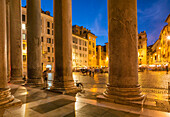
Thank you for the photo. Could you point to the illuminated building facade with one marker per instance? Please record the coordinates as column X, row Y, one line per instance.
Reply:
column 79, row 52
column 86, row 34
column 80, row 44
column 159, row 53
column 142, row 49
column 102, row 55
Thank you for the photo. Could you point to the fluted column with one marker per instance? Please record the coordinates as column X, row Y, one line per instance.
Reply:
column 33, row 42
column 5, row 94
column 123, row 59
column 16, row 41
column 63, row 80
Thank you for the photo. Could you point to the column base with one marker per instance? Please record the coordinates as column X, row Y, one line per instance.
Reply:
column 7, row 100
column 34, row 82
column 123, row 94
column 66, row 87
column 17, row 80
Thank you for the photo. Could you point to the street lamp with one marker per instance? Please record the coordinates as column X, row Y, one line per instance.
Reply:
column 168, row 37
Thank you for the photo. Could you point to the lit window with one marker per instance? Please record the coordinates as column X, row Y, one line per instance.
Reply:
column 49, row 59
column 23, row 26
column 23, row 36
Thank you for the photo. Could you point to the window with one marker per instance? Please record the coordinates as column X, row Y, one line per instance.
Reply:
column 48, row 24
column 23, row 27
column 85, row 43
column 48, row 48
column 79, row 42
column 85, row 49
column 75, row 47
column 48, row 40
column 24, row 36
column 52, row 50
column 52, row 32
column 24, row 58
column 89, row 51
column 24, row 46
column 79, row 48
column 48, row 31
column 52, row 59
column 52, row 25
column 80, row 55
column 49, row 59
column 52, row 41
column 89, row 42
column 74, row 40
column 23, row 18
column 42, row 39
column 93, row 45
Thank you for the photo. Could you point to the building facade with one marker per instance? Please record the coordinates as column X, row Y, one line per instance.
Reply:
column 159, row 52
column 102, row 55
column 142, row 49
column 79, row 52
column 85, row 33
column 80, row 44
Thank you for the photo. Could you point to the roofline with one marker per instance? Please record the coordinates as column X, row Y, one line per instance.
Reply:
column 167, row 18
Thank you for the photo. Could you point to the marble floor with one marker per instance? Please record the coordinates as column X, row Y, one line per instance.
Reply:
column 41, row 103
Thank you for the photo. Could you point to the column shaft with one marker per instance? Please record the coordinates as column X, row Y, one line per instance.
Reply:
column 8, row 40
column 63, row 45
column 5, row 95
column 33, row 41
column 16, row 41
column 123, row 61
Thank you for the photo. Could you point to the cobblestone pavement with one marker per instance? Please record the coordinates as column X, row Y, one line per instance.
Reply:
column 154, row 84
column 147, row 79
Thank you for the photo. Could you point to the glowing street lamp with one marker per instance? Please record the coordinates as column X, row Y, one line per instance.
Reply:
column 168, row 37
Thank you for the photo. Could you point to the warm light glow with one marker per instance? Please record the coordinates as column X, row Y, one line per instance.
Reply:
column 23, row 26
column 155, row 54
column 168, row 37
column 159, row 47
column 24, row 51
column 107, row 58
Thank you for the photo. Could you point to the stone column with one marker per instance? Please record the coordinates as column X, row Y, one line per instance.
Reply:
column 5, row 94
column 33, row 42
column 63, row 80
column 123, row 59
column 16, row 41
column 8, row 40
column 99, row 55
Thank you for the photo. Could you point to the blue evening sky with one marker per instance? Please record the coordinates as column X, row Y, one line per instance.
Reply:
column 92, row 14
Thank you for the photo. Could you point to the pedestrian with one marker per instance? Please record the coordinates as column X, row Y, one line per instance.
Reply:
column 93, row 70
column 167, row 69
column 45, row 77
column 90, row 71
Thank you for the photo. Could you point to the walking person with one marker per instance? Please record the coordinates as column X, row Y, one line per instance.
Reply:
column 45, row 78
column 93, row 70
column 167, row 69
column 90, row 71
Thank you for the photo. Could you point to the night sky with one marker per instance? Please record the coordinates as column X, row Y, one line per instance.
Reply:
column 92, row 14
